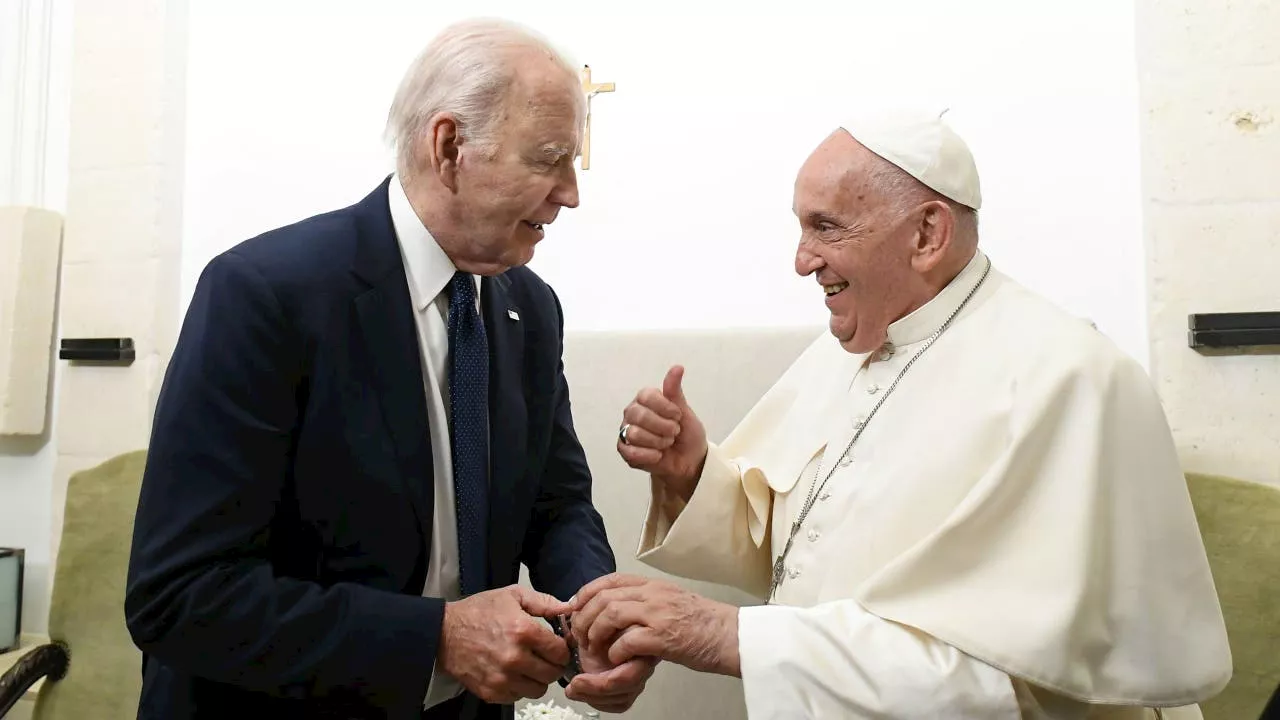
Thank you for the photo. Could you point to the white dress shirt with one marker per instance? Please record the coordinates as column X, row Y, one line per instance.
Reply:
column 429, row 272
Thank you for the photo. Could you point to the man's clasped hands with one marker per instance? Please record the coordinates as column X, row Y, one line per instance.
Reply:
column 498, row 645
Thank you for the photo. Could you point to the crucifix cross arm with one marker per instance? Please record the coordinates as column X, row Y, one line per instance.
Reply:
column 591, row 89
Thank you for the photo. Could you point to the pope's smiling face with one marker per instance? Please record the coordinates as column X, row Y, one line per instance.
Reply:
column 868, row 235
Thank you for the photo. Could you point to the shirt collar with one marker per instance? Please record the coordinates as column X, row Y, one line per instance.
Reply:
column 926, row 319
column 428, row 268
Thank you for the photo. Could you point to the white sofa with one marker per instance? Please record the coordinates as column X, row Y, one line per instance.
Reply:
column 725, row 373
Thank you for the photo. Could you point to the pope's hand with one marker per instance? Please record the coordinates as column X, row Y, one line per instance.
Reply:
column 494, row 644
column 637, row 617
column 608, row 687
column 664, row 437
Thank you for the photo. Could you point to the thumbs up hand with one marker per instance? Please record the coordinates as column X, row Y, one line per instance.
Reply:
column 662, row 436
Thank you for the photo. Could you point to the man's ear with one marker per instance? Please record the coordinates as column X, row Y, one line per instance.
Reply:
column 440, row 143
column 934, row 233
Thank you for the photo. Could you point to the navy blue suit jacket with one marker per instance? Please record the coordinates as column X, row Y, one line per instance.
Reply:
column 282, row 534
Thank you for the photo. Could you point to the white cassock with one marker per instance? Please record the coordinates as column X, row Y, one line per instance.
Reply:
column 1012, row 536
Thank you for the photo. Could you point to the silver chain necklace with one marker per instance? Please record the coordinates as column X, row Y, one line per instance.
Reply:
column 779, row 566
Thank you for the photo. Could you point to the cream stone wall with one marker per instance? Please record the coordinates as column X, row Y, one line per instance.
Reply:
column 123, row 228
column 1210, row 112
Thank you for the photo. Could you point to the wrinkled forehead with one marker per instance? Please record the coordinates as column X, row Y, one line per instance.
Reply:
column 835, row 178
column 546, row 106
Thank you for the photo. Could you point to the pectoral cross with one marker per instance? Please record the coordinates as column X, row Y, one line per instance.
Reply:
column 780, row 566
column 779, row 572
column 591, row 89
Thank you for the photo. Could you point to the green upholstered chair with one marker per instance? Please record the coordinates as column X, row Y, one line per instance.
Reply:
column 1240, row 522
column 86, row 616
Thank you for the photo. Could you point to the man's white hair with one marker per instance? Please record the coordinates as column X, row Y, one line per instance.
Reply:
column 466, row 70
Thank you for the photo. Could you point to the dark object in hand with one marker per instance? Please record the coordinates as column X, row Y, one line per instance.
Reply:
column 564, row 629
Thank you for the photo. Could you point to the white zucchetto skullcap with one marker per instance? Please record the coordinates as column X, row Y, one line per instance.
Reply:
column 925, row 147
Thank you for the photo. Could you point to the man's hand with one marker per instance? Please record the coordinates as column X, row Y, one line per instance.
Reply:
column 606, row 687
column 494, row 644
column 665, row 438
column 637, row 617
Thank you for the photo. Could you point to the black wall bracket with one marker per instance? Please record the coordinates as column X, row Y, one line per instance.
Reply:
column 1241, row 331
column 98, row 351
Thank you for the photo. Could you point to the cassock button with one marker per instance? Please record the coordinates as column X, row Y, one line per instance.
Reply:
column 814, row 535
column 872, row 389
column 793, row 573
column 824, row 496
column 859, row 422
column 886, row 351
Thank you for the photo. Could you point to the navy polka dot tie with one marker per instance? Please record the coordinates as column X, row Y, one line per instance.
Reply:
column 469, row 413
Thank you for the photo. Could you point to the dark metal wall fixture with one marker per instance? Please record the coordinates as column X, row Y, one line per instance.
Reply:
column 1245, row 331
column 98, row 351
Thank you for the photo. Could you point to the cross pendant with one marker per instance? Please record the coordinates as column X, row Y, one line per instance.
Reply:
column 779, row 565
column 779, row 572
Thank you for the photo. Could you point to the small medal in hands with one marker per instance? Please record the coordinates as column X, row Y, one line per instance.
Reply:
column 564, row 628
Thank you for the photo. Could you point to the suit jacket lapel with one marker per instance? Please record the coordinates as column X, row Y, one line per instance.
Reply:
column 385, row 317
column 507, row 412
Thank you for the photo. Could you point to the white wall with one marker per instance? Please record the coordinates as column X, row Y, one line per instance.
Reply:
column 685, row 218
column 35, row 49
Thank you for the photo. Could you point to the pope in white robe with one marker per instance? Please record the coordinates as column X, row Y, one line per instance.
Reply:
column 963, row 503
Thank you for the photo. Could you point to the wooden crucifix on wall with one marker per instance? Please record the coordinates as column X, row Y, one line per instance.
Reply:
column 591, row 89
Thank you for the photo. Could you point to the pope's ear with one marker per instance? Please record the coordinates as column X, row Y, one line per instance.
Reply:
column 934, row 234
column 937, row 225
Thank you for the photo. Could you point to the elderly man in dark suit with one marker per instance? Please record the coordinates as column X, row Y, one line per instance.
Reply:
column 365, row 430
